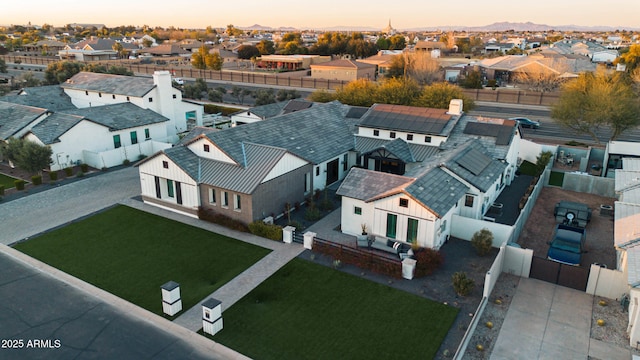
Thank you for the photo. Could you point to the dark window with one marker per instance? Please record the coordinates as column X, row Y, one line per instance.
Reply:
column 150, row 99
column 225, row 199
column 317, row 170
column 86, row 93
column 127, row 98
column 392, row 221
column 212, row 196
column 165, row 164
column 113, row 97
column 427, row 139
column 116, row 141
column 99, row 94
column 178, row 193
column 357, row 210
column 170, row 188
column 376, row 132
column 206, row 148
column 237, row 202
column 345, row 161
column 175, row 96
column 392, row 134
column 147, row 135
column 404, row 202
column 412, row 230
column 134, row 137
column 158, row 193
column 409, row 137
column 468, row 201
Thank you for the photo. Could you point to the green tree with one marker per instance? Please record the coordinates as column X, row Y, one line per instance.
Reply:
column 439, row 95
column 473, row 80
column 598, row 101
column 214, row 61
column 631, row 57
column 28, row 79
column 146, row 42
column 397, row 42
column 397, row 92
column 28, row 155
column 118, row 48
column 322, row 96
column 266, row 47
column 248, row 52
column 283, row 95
column 199, row 58
column 357, row 93
column 240, row 93
column 264, row 96
column 58, row 72
column 214, row 95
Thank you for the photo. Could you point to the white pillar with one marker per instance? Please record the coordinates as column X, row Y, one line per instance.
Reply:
column 308, row 239
column 287, row 234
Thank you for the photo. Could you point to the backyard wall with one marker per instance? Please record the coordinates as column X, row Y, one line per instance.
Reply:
column 464, row 228
column 606, row 282
column 491, row 277
column 115, row 157
column 581, row 182
column 517, row 261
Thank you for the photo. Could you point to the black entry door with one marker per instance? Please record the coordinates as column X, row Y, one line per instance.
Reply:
column 332, row 172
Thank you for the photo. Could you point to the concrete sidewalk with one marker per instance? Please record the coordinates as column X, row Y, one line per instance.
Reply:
column 548, row 321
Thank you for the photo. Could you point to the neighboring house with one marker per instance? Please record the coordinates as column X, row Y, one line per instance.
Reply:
column 422, row 166
column 503, row 68
column 88, row 89
column 50, row 97
column 382, row 61
column 102, row 136
column 250, row 172
column 344, row 70
column 614, row 153
column 627, row 238
column 93, row 49
column 166, row 50
column 596, row 52
column 16, row 119
column 290, row 62
column 435, row 48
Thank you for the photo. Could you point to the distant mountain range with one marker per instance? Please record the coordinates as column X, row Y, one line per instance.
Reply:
column 498, row 26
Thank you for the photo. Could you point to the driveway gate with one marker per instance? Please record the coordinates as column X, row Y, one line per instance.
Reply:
column 574, row 277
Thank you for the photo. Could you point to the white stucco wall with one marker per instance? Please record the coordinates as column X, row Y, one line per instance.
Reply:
column 153, row 167
column 418, row 139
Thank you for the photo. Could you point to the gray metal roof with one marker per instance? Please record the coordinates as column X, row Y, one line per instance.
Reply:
column 483, row 178
column 437, row 190
column 119, row 116
column 474, row 161
column 368, row 185
column 493, row 139
column 626, row 179
column 110, row 84
column 316, row 134
column 407, row 118
column 266, row 111
column 242, row 179
column 296, row 105
column 502, row 132
column 51, row 97
column 15, row 117
column 418, row 152
column 50, row 129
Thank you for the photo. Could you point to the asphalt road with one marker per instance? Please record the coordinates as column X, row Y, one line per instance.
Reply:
column 549, row 129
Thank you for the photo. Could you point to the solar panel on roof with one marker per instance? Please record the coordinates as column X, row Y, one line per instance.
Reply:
column 474, row 161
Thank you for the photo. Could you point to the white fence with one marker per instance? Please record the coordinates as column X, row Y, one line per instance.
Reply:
column 464, row 228
column 582, row 182
column 607, row 283
column 115, row 157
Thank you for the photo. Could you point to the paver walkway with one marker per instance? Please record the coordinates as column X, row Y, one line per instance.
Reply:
column 548, row 321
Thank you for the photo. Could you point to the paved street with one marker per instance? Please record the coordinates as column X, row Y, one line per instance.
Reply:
column 39, row 212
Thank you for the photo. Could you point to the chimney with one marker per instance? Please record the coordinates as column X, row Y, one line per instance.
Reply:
column 455, row 107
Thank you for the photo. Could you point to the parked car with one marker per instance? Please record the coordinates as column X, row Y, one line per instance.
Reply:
column 179, row 81
column 526, row 123
column 567, row 245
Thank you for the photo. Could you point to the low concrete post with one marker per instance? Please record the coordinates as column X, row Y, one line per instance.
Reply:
column 171, row 301
column 308, row 239
column 287, row 234
column 212, row 316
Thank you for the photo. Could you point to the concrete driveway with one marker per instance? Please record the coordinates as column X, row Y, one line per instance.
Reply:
column 548, row 321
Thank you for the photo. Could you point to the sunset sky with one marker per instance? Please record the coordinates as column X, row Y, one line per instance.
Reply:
column 403, row 13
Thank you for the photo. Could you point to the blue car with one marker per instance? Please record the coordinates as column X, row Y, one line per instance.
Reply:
column 526, row 123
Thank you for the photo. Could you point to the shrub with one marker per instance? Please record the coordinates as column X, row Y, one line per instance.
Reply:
column 68, row 171
column 312, row 213
column 126, row 162
column 1, row 190
column 542, row 161
column 482, row 241
column 220, row 219
column 36, row 179
column 428, row 260
column 53, row 175
column 269, row 231
column 19, row 184
column 462, row 284
column 296, row 225
column 80, row 174
column 141, row 157
column 84, row 168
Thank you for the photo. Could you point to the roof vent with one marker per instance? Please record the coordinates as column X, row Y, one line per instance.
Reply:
column 455, row 107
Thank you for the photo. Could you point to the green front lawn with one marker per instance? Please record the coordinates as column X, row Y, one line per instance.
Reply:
column 308, row 311
column 131, row 253
column 7, row 181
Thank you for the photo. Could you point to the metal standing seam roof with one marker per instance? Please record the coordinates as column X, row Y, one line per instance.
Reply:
column 242, row 179
column 406, row 118
column 626, row 179
column 110, row 84
column 15, row 117
column 502, row 132
column 490, row 137
column 51, row 97
column 626, row 226
column 266, row 111
column 316, row 134
column 119, row 116
column 50, row 129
